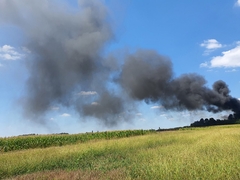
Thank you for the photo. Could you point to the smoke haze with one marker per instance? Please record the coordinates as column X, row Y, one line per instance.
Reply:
column 67, row 57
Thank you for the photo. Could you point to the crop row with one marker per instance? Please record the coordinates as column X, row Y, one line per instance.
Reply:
column 43, row 141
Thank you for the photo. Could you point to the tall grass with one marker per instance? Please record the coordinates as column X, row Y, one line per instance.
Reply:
column 27, row 142
column 201, row 153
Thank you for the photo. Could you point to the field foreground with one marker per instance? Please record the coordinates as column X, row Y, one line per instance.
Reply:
column 197, row 153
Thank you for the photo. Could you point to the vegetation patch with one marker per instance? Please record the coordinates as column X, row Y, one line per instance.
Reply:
column 43, row 141
column 196, row 153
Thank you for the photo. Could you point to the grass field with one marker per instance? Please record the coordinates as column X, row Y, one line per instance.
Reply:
column 197, row 153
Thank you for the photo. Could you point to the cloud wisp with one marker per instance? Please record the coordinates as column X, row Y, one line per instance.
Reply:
column 65, row 115
column 9, row 53
column 228, row 59
column 210, row 45
column 157, row 107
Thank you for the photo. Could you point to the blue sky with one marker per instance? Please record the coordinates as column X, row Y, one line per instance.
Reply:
column 199, row 37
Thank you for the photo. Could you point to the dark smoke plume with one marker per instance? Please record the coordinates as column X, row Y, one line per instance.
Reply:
column 108, row 108
column 148, row 76
column 66, row 58
column 66, row 46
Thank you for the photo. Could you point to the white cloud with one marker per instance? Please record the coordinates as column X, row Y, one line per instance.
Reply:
column 156, row 107
column 6, row 48
column 139, row 114
column 237, row 3
column 229, row 58
column 87, row 93
column 9, row 53
column 205, row 64
column 163, row 115
column 65, row 115
column 211, row 44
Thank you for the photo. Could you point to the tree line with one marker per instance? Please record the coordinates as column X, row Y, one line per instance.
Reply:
column 232, row 119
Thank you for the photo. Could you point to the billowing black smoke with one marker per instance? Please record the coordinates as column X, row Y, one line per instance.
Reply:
column 67, row 58
column 148, row 76
column 66, row 46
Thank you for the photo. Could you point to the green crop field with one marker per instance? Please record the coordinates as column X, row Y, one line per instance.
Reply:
column 192, row 153
column 29, row 142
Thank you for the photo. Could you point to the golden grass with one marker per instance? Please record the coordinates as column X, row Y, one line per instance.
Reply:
column 200, row 153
